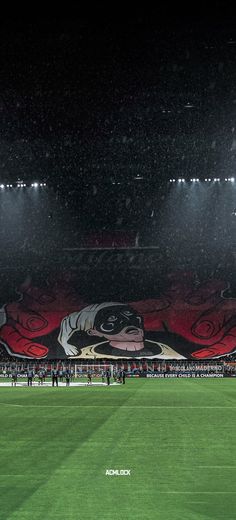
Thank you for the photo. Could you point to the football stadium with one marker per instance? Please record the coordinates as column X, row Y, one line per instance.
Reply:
column 118, row 267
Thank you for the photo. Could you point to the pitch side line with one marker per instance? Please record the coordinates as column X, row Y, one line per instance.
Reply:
column 215, row 467
column 121, row 407
column 198, row 492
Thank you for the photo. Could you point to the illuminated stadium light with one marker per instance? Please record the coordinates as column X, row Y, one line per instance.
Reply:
column 188, row 105
column 34, row 184
column 181, row 180
column 216, row 180
column 2, row 186
column 232, row 179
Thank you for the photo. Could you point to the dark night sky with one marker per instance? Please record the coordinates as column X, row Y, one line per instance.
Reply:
column 109, row 98
column 91, row 101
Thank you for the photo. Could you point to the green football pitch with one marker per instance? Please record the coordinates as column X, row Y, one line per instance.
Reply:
column 176, row 438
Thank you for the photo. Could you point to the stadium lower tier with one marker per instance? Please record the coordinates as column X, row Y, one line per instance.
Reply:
column 76, row 371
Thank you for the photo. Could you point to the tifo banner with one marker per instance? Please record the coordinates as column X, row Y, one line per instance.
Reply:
column 69, row 313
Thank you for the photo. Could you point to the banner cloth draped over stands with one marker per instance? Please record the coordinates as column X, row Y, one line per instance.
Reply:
column 114, row 304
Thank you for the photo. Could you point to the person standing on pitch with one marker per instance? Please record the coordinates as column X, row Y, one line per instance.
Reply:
column 30, row 375
column 60, row 375
column 67, row 376
column 40, row 376
column 108, row 376
column 89, row 377
column 14, row 377
column 54, row 377
column 123, row 374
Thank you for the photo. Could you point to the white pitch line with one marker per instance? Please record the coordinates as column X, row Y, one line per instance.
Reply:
column 9, row 404
column 196, row 502
column 198, row 492
column 215, row 467
column 16, row 475
column 24, row 384
column 121, row 407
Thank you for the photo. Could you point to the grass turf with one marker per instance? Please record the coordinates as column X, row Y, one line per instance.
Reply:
column 177, row 438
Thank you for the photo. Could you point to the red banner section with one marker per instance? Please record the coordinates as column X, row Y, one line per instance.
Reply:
column 59, row 316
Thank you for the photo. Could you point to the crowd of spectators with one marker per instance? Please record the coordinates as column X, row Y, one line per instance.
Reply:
column 78, row 366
